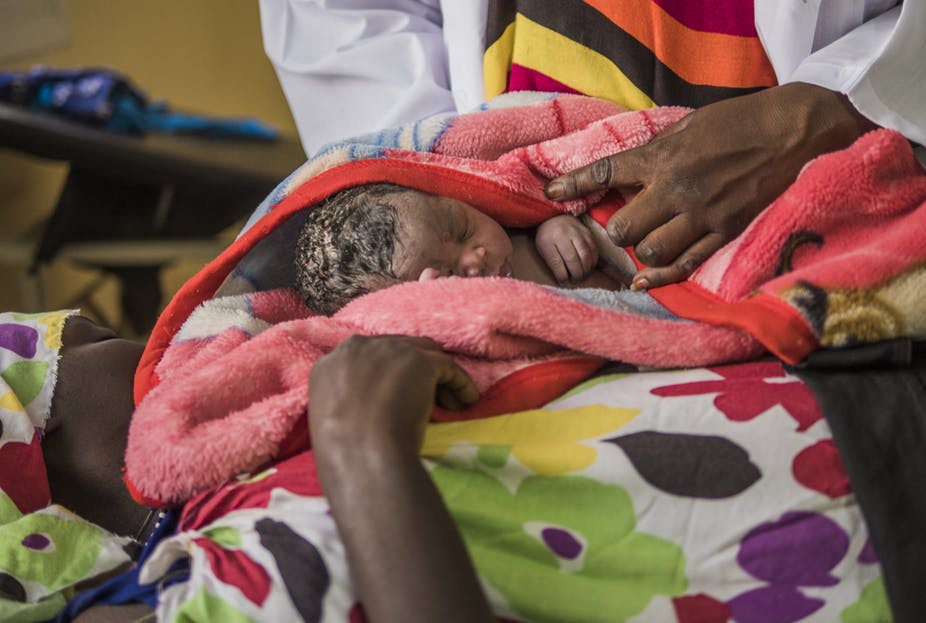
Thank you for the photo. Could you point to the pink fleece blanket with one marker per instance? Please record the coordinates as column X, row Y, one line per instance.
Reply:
column 837, row 260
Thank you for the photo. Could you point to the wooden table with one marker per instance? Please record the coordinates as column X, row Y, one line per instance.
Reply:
column 150, row 190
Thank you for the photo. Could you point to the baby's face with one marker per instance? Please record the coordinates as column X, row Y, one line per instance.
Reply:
column 444, row 237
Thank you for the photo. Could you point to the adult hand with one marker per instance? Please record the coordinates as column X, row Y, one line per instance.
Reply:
column 384, row 388
column 369, row 402
column 705, row 178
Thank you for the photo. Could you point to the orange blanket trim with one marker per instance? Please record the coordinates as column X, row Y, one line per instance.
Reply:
column 777, row 325
column 530, row 387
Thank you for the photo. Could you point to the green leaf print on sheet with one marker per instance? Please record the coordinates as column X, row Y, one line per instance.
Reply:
column 26, row 379
column 872, row 606
column 8, row 510
column 52, row 548
column 561, row 548
column 205, row 607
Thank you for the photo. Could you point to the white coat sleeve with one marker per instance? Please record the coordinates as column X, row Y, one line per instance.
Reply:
column 348, row 67
column 881, row 66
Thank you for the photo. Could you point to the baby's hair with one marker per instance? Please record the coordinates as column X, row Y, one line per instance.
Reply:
column 346, row 246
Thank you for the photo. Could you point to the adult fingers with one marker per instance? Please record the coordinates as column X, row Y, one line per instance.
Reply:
column 452, row 386
column 644, row 213
column 417, row 360
column 682, row 267
column 666, row 242
column 627, row 168
column 455, row 389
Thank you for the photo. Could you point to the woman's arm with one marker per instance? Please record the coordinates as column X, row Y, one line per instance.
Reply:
column 369, row 402
column 870, row 50
column 348, row 68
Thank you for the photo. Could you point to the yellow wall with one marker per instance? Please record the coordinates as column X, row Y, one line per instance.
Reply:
column 201, row 55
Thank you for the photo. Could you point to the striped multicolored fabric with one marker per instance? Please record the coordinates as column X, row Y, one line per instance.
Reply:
column 637, row 53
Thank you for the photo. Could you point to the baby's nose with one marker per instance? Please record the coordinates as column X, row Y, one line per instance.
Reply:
column 474, row 262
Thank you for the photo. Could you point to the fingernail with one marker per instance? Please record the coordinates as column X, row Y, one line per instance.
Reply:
column 689, row 266
column 617, row 229
column 639, row 284
column 555, row 190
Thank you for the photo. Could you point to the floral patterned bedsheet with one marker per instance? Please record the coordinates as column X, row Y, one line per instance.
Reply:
column 45, row 550
column 697, row 495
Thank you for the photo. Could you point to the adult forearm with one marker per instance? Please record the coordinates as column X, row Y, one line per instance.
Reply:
column 369, row 404
column 406, row 556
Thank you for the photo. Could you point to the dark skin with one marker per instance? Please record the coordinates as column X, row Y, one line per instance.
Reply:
column 406, row 556
column 86, row 434
column 703, row 180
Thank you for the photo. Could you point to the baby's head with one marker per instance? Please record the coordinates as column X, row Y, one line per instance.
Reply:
column 369, row 237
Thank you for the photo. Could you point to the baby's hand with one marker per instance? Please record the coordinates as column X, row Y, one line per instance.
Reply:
column 567, row 247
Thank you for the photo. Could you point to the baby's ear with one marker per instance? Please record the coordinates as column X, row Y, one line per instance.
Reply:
column 429, row 274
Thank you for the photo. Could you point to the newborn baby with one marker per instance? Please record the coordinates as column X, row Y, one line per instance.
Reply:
column 369, row 237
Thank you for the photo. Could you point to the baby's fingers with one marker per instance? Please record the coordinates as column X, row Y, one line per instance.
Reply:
column 577, row 257
column 588, row 251
column 554, row 261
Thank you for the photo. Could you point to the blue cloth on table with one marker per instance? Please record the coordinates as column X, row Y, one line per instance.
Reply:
column 104, row 99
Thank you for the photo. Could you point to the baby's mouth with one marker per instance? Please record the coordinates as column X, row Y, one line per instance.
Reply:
column 505, row 269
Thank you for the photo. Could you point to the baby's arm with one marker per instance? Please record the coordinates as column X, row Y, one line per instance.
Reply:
column 568, row 248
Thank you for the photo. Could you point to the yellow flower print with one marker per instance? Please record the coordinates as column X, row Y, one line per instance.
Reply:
column 54, row 325
column 8, row 400
column 547, row 441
